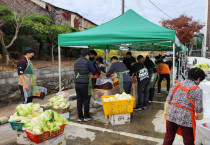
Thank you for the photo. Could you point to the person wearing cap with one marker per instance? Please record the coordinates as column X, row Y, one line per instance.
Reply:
column 128, row 60
column 125, row 80
column 26, row 76
column 143, row 80
column 184, row 105
column 83, row 83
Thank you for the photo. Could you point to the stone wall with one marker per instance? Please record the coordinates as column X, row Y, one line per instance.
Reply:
column 48, row 78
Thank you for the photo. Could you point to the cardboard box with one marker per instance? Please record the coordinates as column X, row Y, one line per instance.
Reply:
column 120, row 119
column 22, row 138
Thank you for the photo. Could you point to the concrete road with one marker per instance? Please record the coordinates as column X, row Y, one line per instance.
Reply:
column 147, row 127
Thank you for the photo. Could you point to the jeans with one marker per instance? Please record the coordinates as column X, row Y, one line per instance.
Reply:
column 82, row 99
column 171, row 129
column 162, row 76
column 127, row 87
column 143, row 93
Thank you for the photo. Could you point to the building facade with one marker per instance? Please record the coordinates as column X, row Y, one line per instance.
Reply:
column 60, row 16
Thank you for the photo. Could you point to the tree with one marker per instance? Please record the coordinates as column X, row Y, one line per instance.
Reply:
column 8, row 17
column 185, row 27
column 48, row 32
column 53, row 32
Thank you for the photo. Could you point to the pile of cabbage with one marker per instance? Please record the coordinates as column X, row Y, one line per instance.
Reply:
column 47, row 121
column 202, row 66
column 122, row 96
column 26, row 112
column 59, row 102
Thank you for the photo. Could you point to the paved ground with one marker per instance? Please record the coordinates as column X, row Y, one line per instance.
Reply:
column 146, row 128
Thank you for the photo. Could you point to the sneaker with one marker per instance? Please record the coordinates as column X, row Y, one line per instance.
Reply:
column 80, row 119
column 88, row 118
column 137, row 109
column 144, row 107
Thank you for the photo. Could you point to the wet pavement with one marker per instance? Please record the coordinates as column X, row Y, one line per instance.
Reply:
column 146, row 128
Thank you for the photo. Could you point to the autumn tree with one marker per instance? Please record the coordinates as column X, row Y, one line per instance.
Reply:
column 185, row 27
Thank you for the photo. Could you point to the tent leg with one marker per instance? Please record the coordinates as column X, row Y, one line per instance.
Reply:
column 106, row 55
column 59, row 66
column 179, row 65
column 174, row 75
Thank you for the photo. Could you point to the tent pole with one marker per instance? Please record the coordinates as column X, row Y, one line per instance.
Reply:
column 174, row 75
column 106, row 55
column 59, row 66
column 179, row 65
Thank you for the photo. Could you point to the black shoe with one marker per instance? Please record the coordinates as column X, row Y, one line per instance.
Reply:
column 149, row 103
column 80, row 119
column 88, row 118
column 137, row 109
column 72, row 98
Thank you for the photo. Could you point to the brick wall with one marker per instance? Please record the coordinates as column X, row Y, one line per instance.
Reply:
column 48, row 78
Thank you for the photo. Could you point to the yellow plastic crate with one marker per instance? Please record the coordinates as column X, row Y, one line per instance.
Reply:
column 117, row 106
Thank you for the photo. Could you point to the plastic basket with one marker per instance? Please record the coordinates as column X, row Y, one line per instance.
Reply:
column 117, row 106
column 17, row 125
column 45, row 136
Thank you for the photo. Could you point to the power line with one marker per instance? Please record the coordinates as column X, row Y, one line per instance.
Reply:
column 159, row 9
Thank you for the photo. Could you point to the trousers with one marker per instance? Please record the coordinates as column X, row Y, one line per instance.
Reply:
column 83, row 99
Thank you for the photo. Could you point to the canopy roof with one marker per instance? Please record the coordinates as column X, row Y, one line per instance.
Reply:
column 128, row 30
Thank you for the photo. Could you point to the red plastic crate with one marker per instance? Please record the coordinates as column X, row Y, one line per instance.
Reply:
column 45, row 136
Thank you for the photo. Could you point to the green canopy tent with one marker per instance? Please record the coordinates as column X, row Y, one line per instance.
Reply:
column 127, row 30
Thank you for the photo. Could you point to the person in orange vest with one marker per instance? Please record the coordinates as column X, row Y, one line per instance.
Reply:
column 164, row 72
column 183, row 106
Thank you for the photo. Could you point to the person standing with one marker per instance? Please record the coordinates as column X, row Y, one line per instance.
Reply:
column 27, row 81
column 183, row 106
column 164, row 72
column 122, row 70
column 82, row 69
column 143, row 81
column 128, row 60
column 100, row 65
column 153, row 77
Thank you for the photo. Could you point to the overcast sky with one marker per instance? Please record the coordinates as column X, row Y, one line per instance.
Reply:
column 101, row 11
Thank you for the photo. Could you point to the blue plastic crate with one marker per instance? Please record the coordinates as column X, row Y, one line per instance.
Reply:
column 17, row 125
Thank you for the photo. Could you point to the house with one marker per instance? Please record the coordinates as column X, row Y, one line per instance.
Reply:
column 63, row 16
column 59, row 15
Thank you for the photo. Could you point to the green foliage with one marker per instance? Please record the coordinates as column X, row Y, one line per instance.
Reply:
column 41, row 19
column 5, row 13
column 18, row 45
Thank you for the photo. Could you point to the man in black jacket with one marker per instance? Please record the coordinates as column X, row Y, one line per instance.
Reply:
column 82, row 69
column 120, row 67
column 143, row 80
column 128, row 60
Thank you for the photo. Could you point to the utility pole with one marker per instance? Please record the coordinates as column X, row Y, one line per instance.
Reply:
column 123, row 5
column 204, row 48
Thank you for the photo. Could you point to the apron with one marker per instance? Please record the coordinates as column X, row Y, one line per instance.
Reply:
column 120, row 77
column 192, row 111
column 90, row 83
column 30, row 79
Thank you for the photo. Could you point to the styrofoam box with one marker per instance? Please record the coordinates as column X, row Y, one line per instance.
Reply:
column 22, row 138
column 65, row 115
column 120, row 119
column 59, row 140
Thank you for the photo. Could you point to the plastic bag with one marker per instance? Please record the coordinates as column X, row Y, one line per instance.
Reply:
column 101, row 81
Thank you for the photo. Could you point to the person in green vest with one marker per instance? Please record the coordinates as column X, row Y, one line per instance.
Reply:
column 27, row 81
